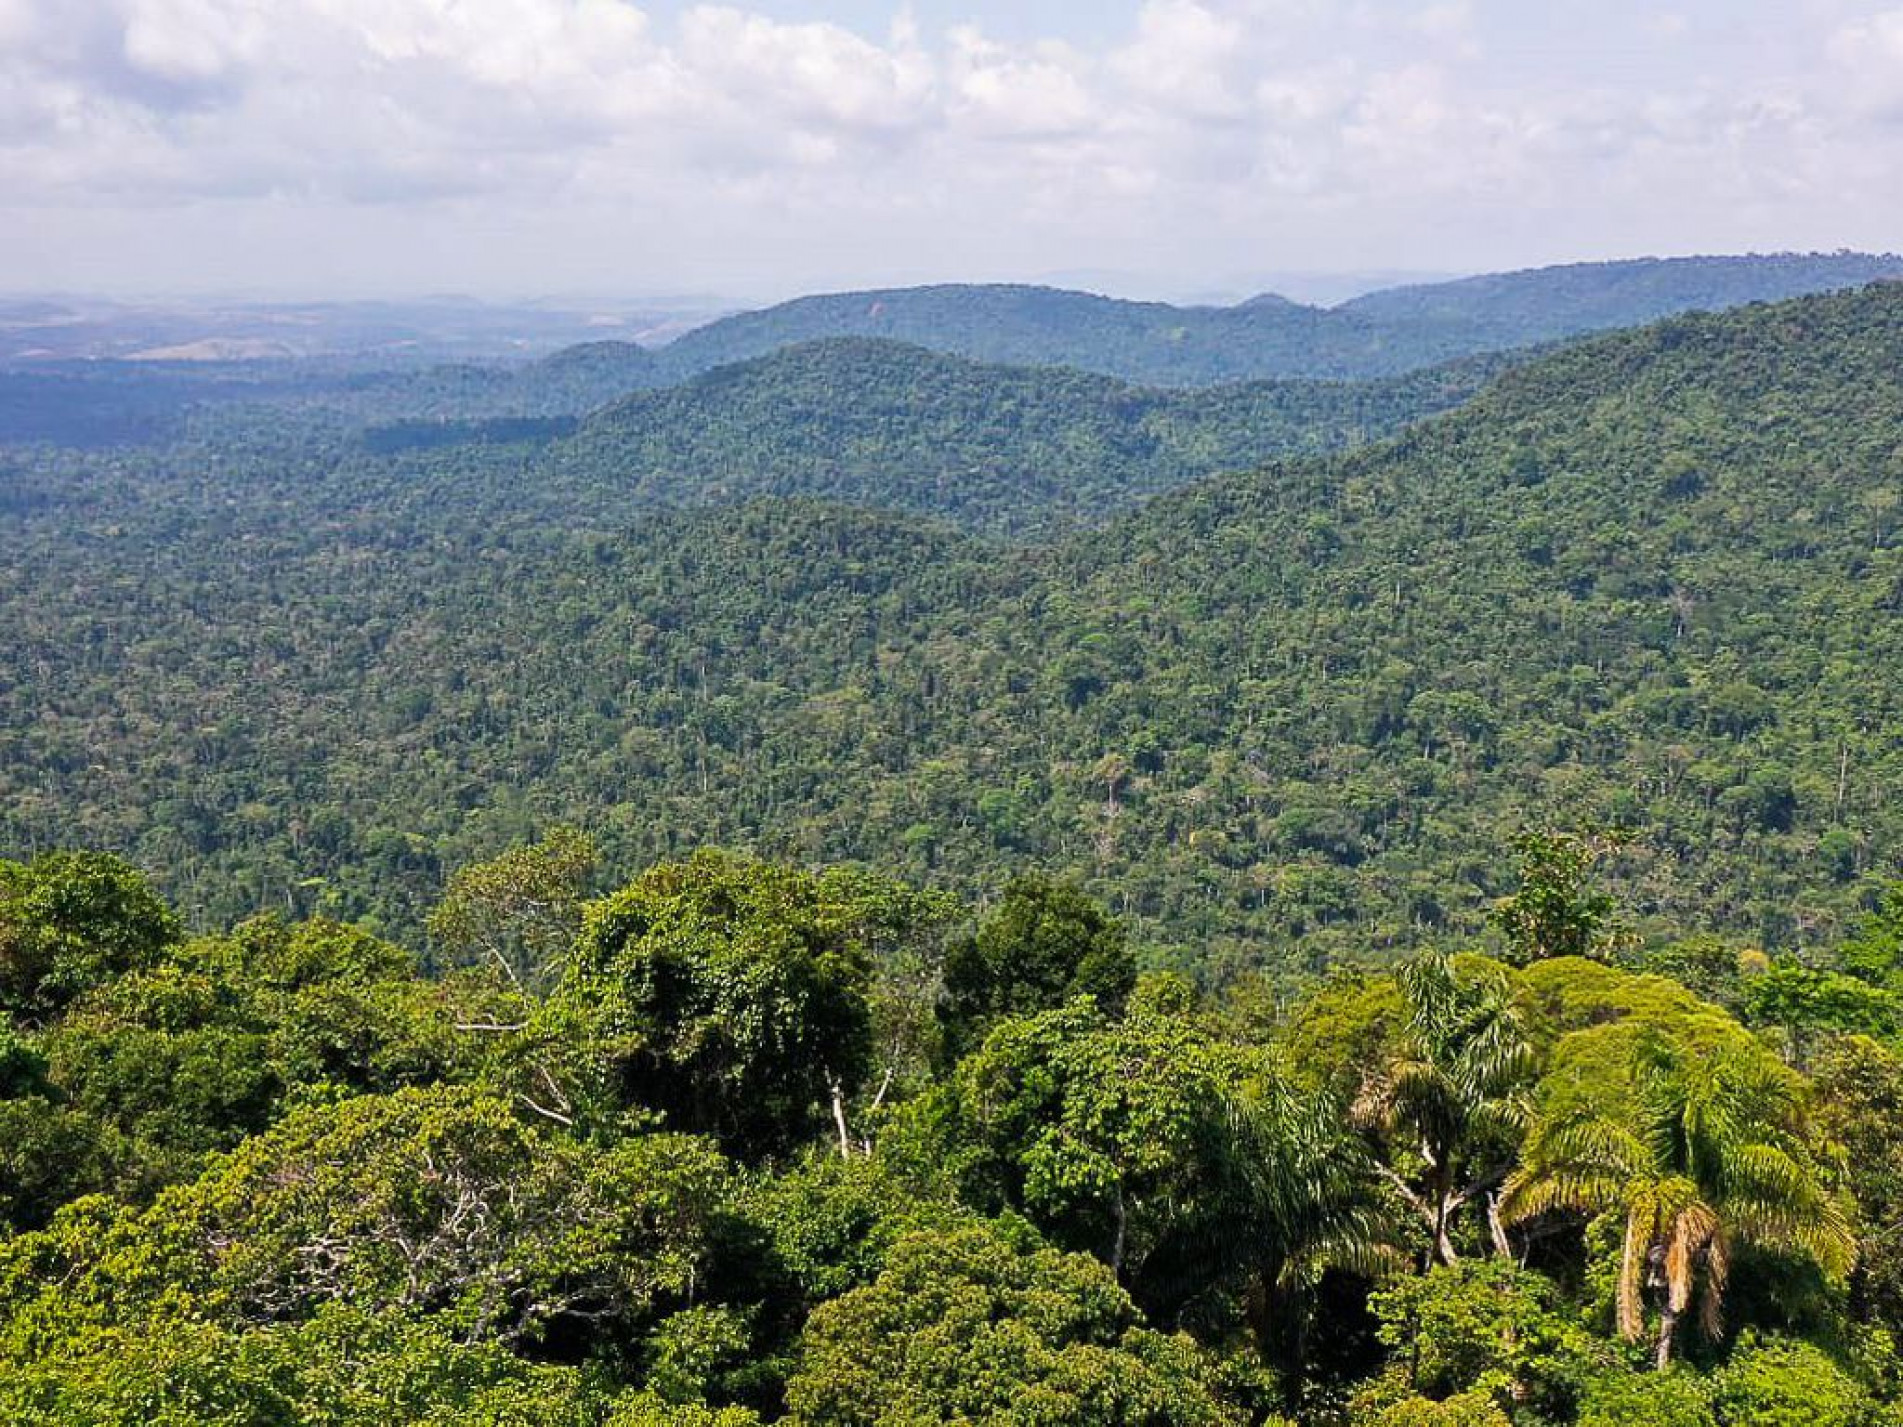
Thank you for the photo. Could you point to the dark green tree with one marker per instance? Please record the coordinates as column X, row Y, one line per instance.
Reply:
column 1874, row 952
column 1123, row 1138
column 70, row 920
column 1859, row 1106
column 730, row 996
column 1043, row 945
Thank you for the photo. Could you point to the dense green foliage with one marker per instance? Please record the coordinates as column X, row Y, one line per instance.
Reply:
column 277, row 1175
column 1041, row 947
column 1382, row 334
column 1650, row 582
column 999, row 449
column 1407, row 936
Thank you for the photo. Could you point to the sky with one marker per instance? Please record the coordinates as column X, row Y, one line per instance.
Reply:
column 519, row 148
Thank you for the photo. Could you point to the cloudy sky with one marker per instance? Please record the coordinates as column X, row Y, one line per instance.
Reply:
column 516, row 147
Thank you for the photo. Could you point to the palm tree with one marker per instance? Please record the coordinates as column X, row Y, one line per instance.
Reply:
column 1454, row 1096
column 1311, row 1204
column 1708, row 1157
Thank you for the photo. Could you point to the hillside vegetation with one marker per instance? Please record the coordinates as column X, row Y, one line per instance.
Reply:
column 996, row 449
column 1515, row 308
column 1651, row 581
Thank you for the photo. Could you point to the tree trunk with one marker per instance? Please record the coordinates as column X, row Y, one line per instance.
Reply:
column 1668, row 1329
column 1496, row 1226
column 839, row 1120
column 1279, row 1321
column 1444, row 1210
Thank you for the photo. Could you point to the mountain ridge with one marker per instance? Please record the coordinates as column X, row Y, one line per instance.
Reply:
column 1378, row 334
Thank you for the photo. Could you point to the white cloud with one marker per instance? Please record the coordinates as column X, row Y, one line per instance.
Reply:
column 1449, row 19
column 16, row 21
column 1002, row 93
column 1873, row 38
column 1869, row 53
column 1184, row 57
column 813, row 75
column 193, row 41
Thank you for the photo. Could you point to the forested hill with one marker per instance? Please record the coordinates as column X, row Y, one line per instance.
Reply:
column 1379, row 335
column 1653, row 580
column 997, row 449
column 122, row 403
column 1149, row 342
column 1537, row 305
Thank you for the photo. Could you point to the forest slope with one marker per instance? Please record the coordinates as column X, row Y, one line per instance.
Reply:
column 997, row 449
column 1543, row 303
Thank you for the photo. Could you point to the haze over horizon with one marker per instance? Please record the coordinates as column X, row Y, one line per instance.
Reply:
column 507, row 148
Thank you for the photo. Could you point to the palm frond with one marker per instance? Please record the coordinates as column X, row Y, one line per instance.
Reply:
column 1631, row 1291
column 1711, row 1306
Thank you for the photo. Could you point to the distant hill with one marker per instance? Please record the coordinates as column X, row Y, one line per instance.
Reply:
column 994, row 448
column 395, row 334
column 1383, row 334
column 1267, row 338
column 1535, row 306
column 122, row 403
column 1145, row 342
column 98, row 404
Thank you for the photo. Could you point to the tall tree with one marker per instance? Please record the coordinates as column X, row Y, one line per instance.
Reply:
column 984, row 1324
column 520, row 910
column 70, row 920
column 1448, row 1102
column 1709, row 1156
column 1119, row 1137
column 1189, row 1164
column 732, row 996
